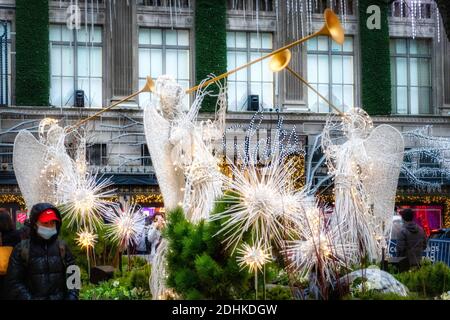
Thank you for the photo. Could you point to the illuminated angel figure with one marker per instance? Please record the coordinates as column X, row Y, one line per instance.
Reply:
column 125, row 226
column 365, row 164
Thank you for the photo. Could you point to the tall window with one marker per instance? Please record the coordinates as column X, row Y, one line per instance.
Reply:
column 411, row 76
column 76, row 64
column 163, row 51
column 243, row 47
column 330, row 71
column 5, row 63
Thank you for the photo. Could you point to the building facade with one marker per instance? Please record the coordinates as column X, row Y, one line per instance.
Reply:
column 115, row 45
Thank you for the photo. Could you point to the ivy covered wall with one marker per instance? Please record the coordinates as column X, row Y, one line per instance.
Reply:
column 32, row 53
column 375, row 60
column 210, row 43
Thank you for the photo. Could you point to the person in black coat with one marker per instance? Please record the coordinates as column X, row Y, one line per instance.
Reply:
column 9, row 237
column 37, row 268
column 412, row 240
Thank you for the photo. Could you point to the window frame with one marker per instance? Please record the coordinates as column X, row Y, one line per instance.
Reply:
column 330, row 53
column 408, row 56
column 248, row 51
column 164, row 47
column 74, row 45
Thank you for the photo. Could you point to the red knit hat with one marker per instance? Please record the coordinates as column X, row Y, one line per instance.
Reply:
column 48, row 215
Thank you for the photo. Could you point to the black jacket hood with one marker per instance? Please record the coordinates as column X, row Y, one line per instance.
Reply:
column 412, row 227
column 34, row 215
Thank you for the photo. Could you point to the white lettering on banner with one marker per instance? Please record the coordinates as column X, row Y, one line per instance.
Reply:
column 73, row 19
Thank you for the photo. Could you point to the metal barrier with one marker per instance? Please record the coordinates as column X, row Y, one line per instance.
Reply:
column 437, row 250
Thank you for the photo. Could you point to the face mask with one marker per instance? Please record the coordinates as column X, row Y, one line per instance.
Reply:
column 45, row 232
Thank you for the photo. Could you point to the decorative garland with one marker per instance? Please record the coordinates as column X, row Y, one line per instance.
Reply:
column 32, row 53
column 401, row 199
column 210, row 43
column 375, row 61
column 13, row 198
column 147, row 198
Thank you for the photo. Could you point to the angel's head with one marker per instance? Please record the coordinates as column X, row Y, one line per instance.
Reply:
column 170, row 95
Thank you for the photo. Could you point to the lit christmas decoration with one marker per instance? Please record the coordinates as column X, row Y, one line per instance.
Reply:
column 125, row 226
column 86, row 239
column 253, row 257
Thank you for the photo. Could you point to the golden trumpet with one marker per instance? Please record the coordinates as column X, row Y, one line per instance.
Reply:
column 332, row 28
column 148, row 87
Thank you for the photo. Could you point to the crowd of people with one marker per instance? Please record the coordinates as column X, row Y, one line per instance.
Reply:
column 34, row 261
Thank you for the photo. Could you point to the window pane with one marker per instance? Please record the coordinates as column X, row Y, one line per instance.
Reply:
column 241, row 95
column 232, row 95
column 335, row 47
column 55, row 92
column 312, row 44
column 144, row 36
column 96, row 62
column 424, row 101
column 96, row 36
column 323, row 68
column 348, row 69
column 96, row 92
column 337, row 69
column 144, row 62
column 266, row 72
column 241, row 58
column 255, row 40
column 67, row 92
column 413, row 72
column 401, row 71
column 312, row 68
column 312, row 100
column 424, row 72
column 348, row 44
column 83, row 61
column 231, row 56
column 266, row 40
column 183, row 38
column 255, row 69
column 400, row 46
column 156, row 63
column 83, row 35
column 348, row 97
column 144, row 98
column 414, row 100
column 156, row 36
column 171, row 37
column 67, row 61
column 231, row 38
column 267, row 95
column 323, row 106
column 256, row 88
column 402, row 100
column 183, row 64
column 423, row 47
column 55, row 59
column 171, row 63
column 241, row 40
column 66, row 34
column 322, row 43
column 336, row 95
column 55, row 33
column 83, row 84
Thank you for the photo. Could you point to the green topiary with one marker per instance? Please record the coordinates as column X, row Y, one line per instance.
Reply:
column 429, row 280
column 197, row 264
column 210, row 44
column 375, row 61
column 32, row 53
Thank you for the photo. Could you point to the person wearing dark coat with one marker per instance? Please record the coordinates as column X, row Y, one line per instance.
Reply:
column 412, row 240
column 39, row 272
column 9, row 238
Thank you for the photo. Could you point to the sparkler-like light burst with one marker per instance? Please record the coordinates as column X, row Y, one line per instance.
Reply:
column 323, row 248
column 253, row 257
column 257, row 203
column 126, row 226
column 86, row 239
column 84, row 199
